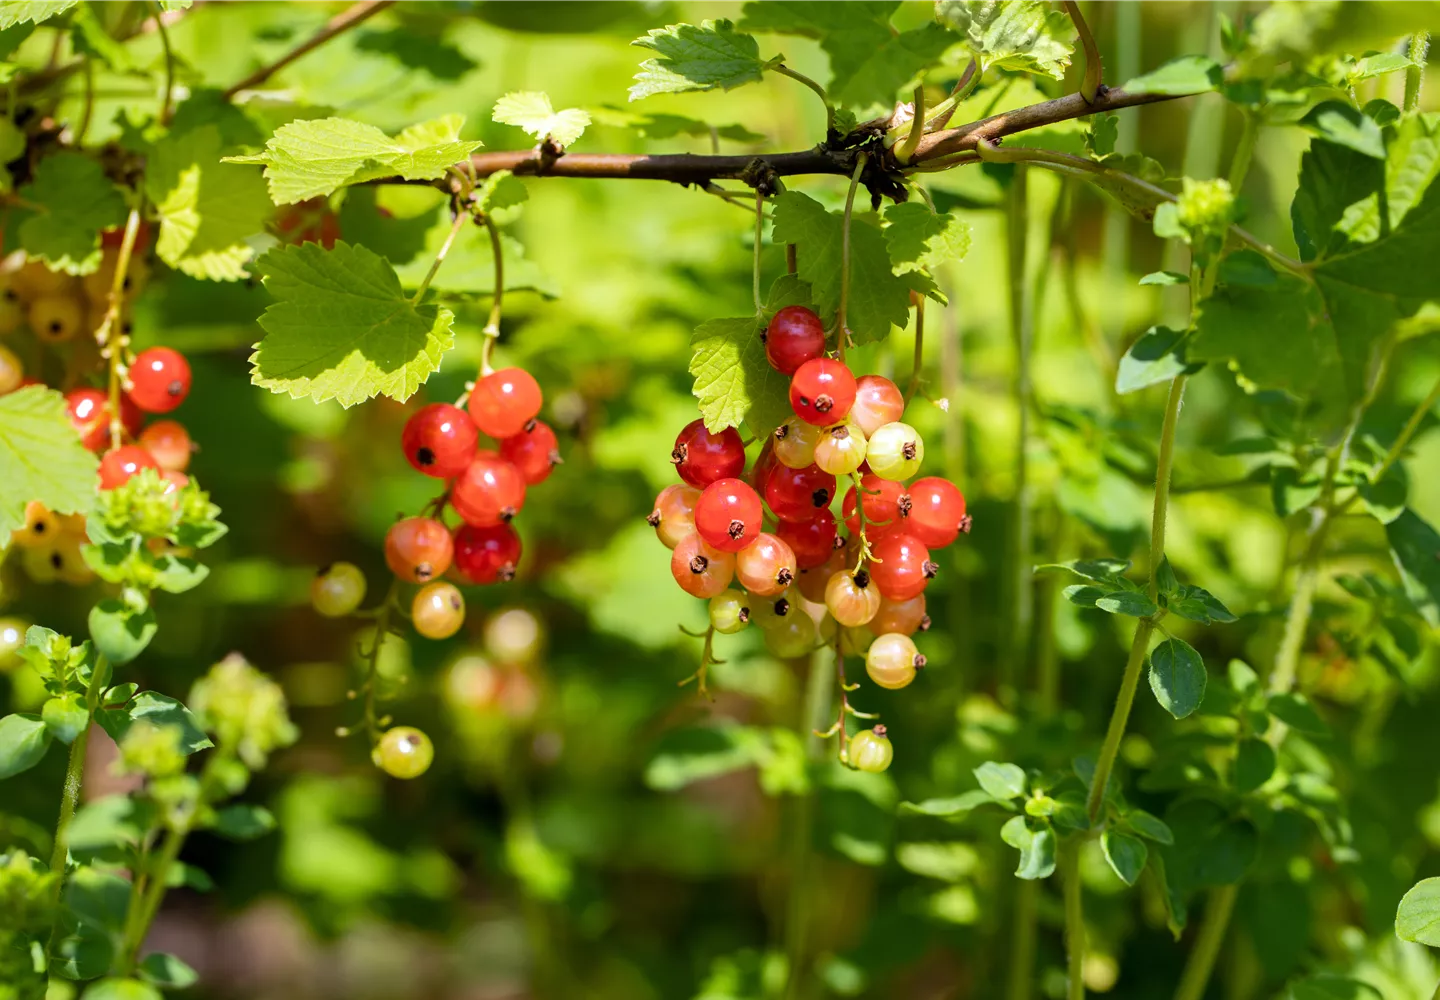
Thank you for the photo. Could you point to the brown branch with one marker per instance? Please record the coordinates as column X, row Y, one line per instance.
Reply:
column 343, row 21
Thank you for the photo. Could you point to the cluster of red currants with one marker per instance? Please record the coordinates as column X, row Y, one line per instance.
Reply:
column 805, row 580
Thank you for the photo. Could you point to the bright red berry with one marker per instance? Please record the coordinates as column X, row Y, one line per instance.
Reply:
column 795, row 336
column 89, row 411
column 936, row 514
column 169, row 443
column 883, row 500
column 901, row 567
column 766, row 566
column 490, row 491
column 878, row 402
column 701, row 570
column 798, row 494
column 503, row 402
column 439, row 440
column 674, row 515
column 535, row 451
column 484, row 555
column 701, row 457
column 119, row 465
column 418, row 549
column 728, row 514
column 160, row 380
column 174, row 481
column 822, row 392
column 812, row 541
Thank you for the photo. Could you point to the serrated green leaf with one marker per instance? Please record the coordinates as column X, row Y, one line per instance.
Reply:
column 697, row 57
column 532, row 111
column 14, row 12
column 918, row 238
column 500, row 192
column 733, row 381
column 41, row 458
column 343, row 329
column 90, row 38
column 208, row 210
column 1099, row 570
column 952, row 806
column 23, row 742
column 1345, row 125
column 1013, row 34
column 306, row 159
column 1127, row 602
column 1001, row 781
column 157, row 710
column 1157, row 356
column 1415, row 546
column 1177, row 676
column 878, row 298
column 1418, row 916
column 1198, row 605
column 1036, row 845
column 1125, row 854
column 1185, row 75
column 72, row 201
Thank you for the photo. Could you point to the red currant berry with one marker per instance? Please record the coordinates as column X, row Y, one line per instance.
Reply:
column 813, row 581
column 174, row 481
column 795, row 336
column 766, row 566
column 503, row 402
column 892, row 661
column 901, row 567
column 484, row 555
column 674, row 515
column 936, row 513
column 728, row 514
column 881, row 506
column 89, row 411
column 878, row 402
column 490, row 491
column 701, row 457
column 169, row 443
column 700, row 569
column 853, row 598
column 160, row 380
column 822, row 392
column 439, row 440
column 764, row 462
column 535, row 451
column 119, row 465
column 812, row 541
column 798, row 494
column 438, row 610
column 904, row 617
column 418, row 549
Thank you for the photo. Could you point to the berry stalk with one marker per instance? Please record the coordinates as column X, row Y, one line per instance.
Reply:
column 114, row 349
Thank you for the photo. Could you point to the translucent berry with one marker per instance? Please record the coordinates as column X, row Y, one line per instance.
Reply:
column 514, row 635
column 89, row 412
column 503, row 402
column 337, row 589
column 870, row 750
column 852, row 597
column 535, row 451
column 822, row 391
column 794, row 443
column 728, row 514
column 674, row 515
column 729, row 611
column 937, row 512
column 56, row 318
column 812, row 541
column 840, row 450
column 701, row 457
column 438, row 610
column 766, row 566
column 119, row 465
column 877, row 402
column 798, row 494
column 404, row 752
column 905, row 617
column 485, row 555
column 41, row 527
column 896, row 452
column 901, row 566
column 35, row 280
column 418, row 549
column 793, row 637
column 854, row 640
column 893, row 660
column 490, row 491
column 795, row 335
column 439, row 440
column 700, row 569
column 814, row 580
column 12, row 371
column 882, row 500
column 160, row 380
column 169, row 443
column 772, row 612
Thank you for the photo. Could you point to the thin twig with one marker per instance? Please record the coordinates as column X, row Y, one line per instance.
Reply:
column 919, row 362
column 115, row 348
column 341, row 22
column 784, row 70
column 165, row 103
column 1090, row 85
column 460, row 219
column 497, row 300
column 759, row 234
column 906, row 149
column 842, row 333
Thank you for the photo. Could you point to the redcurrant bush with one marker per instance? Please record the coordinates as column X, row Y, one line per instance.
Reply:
column 418, row 549
column 119, row 465
column 404, row 752
column 852, row 597
column 439, row 440
column 798, row 494
column 728, row 514
column 896, row 452
column 822, row 391
column 794, row 443
column 877, row 402
column 905, row 617
column 793, row 637
column 795, row 335
column 169, row 443
column 881, row 504
column 812, row 541
column 503, row 402
column 701, row 457
column 159, row 380
column 729, row 611
column 841, row 449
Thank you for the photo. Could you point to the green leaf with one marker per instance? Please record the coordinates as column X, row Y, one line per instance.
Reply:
column 702, row 752
column 1127, row 602
column 1164, row 278
column 121, row 989
column 1148, row 826
column 23, row 741
column 243, row 822
column 1385, row 500
column 1198, row 605
column 1345, row 125
column 919, row 239
column 1126, row 854
column 14, row 12
column 1023, row 35
column 704, row 57
column 209, row 211
column 1327, row 987
column 1337, row 191
column 306, row 159
column 952, row 807
column 1177, row 676
column 1100, row 570
column 500, row 191
column 1415, row 546
column 1036, row 846
column 157, row 710
column 1183, row 75
column 878, row 298
column 120, row 631
column 72, row 201
column 91, row 38
column 1289, row 492
column 1296, row 712
column 1157, row 356
column 1254, row 764
column 1001, row 781
column 343, row 329
column 1418, row 918
column 177, row 574
column 531, row 110
column 65, row 716
column 734, row 382
column 41, row 458
column 167, row 971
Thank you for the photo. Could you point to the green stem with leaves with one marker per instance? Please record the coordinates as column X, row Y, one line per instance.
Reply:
column 75, row 775
column 461, row 217
column 1207, row 943
column 801, row 78
column 497, row 300
column 1415, row 75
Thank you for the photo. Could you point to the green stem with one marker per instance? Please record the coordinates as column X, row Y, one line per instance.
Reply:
column 919, row 362
column 1244, row 150
column 372, row 671
column 814, row 709
column 798, row 77
column 1075, row 941
column 1090, row 84
column 150, row 899
column 1408, row 431
column 114, row 348
column 75, row 777
column 1022, row 940
column 759, row 235
column 1415, row 75
column 1020, row 606
column 497, row 298
column 906, row 149
column 460, row 219
column 164, row 32
column 842, row 333
column 1207, row 943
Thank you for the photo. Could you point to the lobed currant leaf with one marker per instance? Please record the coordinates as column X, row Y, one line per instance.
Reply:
column 532, row 111
column 41, row 458
column 13, row 12
column 72, row 201
column 1025, row 35
column 697, row 57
